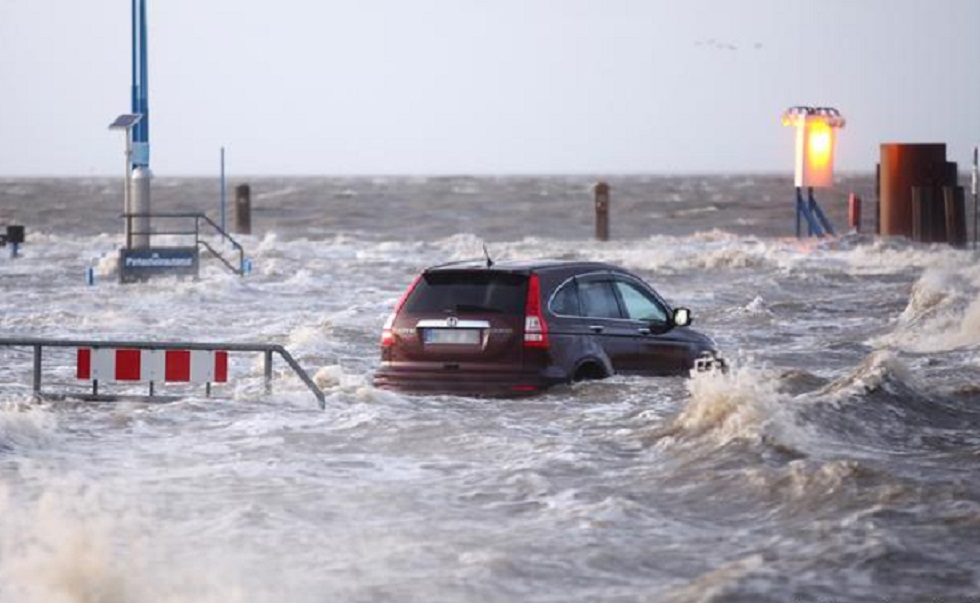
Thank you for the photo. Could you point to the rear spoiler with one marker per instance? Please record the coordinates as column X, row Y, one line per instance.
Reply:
column 478, row 261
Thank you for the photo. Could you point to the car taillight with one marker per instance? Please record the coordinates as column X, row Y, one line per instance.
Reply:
column 387, row 336
column 535, row 327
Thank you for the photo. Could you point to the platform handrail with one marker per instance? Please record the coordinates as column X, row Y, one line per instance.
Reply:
column 240, row 271
column 267, row 349
column 227, row 237
column 197, row 217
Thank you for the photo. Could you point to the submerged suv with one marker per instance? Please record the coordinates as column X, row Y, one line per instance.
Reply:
column 480, row 328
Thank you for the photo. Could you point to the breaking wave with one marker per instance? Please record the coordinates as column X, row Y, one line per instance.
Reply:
column 744, row 405
column 882, row 407
column 881, row 373
column 942, row 313
column 25, row 427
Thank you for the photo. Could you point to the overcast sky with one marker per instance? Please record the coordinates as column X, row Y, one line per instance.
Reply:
column 326, row 87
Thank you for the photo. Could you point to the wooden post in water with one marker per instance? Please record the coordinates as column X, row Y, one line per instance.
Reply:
column 243, row 209
column 601, row 211
column 14, row 237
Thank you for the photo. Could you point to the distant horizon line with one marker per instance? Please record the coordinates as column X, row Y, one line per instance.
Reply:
column 364, row 175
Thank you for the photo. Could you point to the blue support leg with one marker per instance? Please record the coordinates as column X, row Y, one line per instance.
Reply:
column 799, row 222
column 816, row 211
column 803, row 210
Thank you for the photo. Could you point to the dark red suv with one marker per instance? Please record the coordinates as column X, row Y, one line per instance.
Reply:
column 481, row 328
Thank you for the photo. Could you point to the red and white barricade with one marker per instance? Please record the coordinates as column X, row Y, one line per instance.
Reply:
column 176, row 366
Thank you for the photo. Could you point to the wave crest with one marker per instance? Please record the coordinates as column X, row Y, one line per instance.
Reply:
column 725, row 407
column 882, row 371
column 942, row 313
column 24, row 427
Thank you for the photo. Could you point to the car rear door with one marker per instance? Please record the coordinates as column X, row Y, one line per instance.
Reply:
column 603, row 317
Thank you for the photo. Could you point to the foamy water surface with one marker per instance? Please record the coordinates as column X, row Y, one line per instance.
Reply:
column 836, row 461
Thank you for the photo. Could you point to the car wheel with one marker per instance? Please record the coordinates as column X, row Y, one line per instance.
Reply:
column 589, row 371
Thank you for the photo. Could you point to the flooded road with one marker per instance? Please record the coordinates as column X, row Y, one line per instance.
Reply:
column 836, row 461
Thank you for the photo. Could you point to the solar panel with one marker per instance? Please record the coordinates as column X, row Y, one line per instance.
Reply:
column 126, row 121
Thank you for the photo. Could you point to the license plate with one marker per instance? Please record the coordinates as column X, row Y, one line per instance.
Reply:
column 451, row 336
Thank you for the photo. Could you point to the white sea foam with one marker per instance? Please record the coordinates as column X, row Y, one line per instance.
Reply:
column 743, row 404
column 694, row 211
column 277, row 193
column 881, row 369
column 942, row 314
column 468, row 188
column 805, row 481
column 107, row 266
column 933, row 288
column 24, row 427
column 231, row 493
column 74, row 545
column 328, row 377
column 718, row 583
column 758, row 306
column 885, row 256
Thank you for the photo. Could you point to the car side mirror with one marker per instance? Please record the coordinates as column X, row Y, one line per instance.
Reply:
column 681, row 317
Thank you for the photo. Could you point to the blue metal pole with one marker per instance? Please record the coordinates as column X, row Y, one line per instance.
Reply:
column 135, row 104
column 799, row 213
column 223, row 190
column 802, row 209
column 144, row 79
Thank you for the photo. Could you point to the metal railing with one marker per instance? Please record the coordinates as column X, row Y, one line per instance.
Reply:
column 267, row 350
column 196, row 233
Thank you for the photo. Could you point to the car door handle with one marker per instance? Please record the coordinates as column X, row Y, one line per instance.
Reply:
column 644, row 331
column 597, row 328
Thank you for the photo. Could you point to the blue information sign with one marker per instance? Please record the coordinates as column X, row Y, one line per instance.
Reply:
column 141, row 264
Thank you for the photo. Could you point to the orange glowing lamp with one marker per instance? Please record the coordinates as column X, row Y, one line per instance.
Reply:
column 816, row 137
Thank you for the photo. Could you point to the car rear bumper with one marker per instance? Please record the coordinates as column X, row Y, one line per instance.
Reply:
column 482, row 384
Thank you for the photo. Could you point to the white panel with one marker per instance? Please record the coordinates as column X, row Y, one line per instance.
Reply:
column 202, row 366
column 104, row 364
column 152, row 365
column 800, row 155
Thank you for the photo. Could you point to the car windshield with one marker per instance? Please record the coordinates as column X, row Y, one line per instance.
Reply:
column 468, row 292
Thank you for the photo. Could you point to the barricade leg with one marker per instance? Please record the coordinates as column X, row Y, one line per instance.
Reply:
column 268, row 371
column 37, row 372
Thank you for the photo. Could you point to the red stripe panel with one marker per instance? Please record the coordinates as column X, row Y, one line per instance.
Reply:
column 84, row 364
column 127, row 365
column 221, row 367
column 177, row 366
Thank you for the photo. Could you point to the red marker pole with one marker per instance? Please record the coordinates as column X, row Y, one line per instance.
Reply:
column 854, row 212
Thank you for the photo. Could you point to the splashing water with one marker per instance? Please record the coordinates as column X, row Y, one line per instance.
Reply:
column 835, row 461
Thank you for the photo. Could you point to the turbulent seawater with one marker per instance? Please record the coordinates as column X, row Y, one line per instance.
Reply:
column 838, row 461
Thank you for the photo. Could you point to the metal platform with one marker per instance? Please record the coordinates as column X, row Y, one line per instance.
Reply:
column 141, row 263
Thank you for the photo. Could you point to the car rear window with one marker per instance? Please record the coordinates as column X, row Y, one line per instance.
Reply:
column 468, row 292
